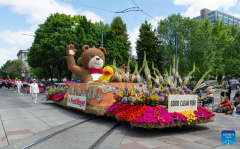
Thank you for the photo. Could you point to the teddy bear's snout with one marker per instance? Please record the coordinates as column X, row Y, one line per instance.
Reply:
column 97, row 58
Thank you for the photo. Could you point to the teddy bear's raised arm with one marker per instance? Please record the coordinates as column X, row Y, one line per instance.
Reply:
column 70, row 51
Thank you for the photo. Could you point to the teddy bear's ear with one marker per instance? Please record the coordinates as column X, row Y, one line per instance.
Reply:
column 102, row 49
column 85, row 47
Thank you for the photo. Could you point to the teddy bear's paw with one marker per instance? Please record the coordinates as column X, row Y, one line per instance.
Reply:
column 71, row 52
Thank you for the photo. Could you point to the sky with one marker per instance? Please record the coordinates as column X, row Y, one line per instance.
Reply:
column 19, row 17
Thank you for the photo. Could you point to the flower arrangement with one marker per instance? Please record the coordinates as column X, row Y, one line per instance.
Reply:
column 158, row 115
column 52, row 91
column 145, row 104
column 68, row 82
column 57, row 96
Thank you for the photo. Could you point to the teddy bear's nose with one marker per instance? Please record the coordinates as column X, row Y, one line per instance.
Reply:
column 97, row 58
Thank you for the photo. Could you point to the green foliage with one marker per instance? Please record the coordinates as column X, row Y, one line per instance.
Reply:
column 12, row 68
column 207, row 45
column 48, row 51
column 148, row 42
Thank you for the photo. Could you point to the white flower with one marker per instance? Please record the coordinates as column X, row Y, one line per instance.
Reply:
column 157, row 82
column 173, row 71
column 180, row 81
column 176, row 75
column 138, row 78
column 149, row 77
column 161, row 79
column 133, row 77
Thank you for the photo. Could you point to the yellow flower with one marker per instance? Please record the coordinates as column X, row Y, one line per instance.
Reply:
column 189, row 115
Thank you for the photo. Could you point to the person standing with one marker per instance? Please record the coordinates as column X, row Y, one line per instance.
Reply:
column 0, row 84
column 19, row 85
column 229, row 90
column 225, row 87
column 34, row 90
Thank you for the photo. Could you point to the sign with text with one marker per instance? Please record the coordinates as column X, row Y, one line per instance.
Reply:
column 228, row 137
column 182, row 102
column 78, row 102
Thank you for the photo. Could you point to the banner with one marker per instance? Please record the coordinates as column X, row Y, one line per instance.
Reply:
column 182, row 102
column 78, row 102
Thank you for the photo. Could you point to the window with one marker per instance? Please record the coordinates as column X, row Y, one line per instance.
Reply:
column 211, row 17
column 225, row 19
column 220, row 17
column 24, row 54
column 213, row 21
column 230, row 20
column 235, row 22
column 24, row 59
column 239, row 23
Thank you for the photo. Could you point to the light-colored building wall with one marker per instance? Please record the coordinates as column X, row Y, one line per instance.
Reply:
column 22, row 56
column 214, row 15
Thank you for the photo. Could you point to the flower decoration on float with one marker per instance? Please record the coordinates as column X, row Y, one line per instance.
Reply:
column 144, row 103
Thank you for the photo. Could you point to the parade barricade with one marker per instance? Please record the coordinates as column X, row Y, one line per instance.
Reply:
column 41, row 89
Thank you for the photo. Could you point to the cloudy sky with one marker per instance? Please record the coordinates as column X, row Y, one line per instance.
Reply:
column 19, row 17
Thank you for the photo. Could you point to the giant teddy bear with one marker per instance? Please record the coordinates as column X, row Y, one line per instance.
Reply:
column 93, row 60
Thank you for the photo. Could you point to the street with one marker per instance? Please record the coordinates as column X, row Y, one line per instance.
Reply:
column 23, row 122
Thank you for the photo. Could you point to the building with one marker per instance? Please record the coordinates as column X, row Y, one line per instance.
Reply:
column 214, row 15
column 130, row 53
column 22, row 56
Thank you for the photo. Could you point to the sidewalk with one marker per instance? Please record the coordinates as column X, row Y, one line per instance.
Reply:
column 202, row 136
column 20, row 118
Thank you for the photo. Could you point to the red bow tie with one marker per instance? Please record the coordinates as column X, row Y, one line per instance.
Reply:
column 94, row 70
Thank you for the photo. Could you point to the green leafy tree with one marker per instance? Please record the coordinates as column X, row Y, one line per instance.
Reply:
column 231, row 54
column 48, row 50
column 182, row 28
column 120, row 43
column 3, row 69
column 148, row 42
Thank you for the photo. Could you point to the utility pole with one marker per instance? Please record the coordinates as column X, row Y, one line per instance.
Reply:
column 101, row 37
column 176, row 53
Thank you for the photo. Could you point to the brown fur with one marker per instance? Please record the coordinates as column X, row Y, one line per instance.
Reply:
column 86, row 56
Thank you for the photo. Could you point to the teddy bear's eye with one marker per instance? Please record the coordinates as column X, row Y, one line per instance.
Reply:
column 92, row 55
column 100, row 56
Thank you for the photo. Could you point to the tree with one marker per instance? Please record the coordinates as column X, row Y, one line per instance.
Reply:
column 182, row 28
column 120, row 44
column 48, row 50
column 11, row 68
column 147, row 42
column 231, row 53
column 3, row 69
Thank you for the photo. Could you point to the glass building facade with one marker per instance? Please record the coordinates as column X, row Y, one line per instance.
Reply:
column 217, row 15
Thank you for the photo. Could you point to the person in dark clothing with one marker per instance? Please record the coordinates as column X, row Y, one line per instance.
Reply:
column 229, row 91
column 235, row 105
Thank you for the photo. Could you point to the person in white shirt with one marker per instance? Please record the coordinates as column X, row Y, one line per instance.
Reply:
column 19, row 85
column 34, row 90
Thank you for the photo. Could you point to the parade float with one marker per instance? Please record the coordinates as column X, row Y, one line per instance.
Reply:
column 114, row 92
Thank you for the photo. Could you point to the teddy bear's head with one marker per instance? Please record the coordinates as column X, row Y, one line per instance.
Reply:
column 93, row 57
